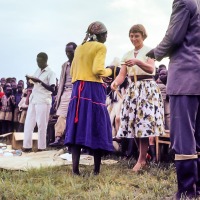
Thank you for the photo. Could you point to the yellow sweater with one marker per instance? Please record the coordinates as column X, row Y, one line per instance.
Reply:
column 89, row 63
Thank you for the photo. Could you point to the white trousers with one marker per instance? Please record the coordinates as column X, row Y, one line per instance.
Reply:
column 37, row 113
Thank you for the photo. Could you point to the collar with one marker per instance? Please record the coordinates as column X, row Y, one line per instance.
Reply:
column 45, row 69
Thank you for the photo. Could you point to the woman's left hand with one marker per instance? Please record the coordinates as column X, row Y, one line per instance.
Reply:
column 131, row 62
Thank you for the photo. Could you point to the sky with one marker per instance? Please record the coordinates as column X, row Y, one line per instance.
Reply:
column 29, row 27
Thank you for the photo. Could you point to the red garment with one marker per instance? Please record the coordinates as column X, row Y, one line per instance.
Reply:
column 1, row 94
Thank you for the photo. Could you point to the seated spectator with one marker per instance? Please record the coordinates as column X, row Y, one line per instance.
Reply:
column 23, row 107
column 18, row 96
column 8, row 101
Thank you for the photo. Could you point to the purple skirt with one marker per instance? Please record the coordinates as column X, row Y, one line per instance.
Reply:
column 88, row 122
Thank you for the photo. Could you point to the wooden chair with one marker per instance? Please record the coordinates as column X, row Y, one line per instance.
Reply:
column 164, row 139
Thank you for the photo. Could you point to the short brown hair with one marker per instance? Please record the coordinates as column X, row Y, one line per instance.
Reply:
column 138, row 28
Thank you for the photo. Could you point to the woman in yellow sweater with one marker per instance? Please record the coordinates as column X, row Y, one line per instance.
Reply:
column 88, row 122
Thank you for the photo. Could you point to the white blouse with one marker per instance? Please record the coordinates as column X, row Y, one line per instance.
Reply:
column 141, row 55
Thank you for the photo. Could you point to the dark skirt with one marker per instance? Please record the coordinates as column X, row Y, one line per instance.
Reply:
column 88, row 122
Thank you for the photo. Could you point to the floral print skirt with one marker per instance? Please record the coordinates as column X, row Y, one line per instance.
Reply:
column 142, row 113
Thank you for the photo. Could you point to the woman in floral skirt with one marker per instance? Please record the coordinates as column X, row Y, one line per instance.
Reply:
column 142, row 113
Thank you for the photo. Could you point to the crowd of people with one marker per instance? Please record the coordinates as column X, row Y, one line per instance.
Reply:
column 17, row 96
column 142, row 107
column 13, row 105
column 105, row 108
column 41, row 98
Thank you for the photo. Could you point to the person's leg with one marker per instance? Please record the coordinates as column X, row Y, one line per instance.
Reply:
column 143, row 147
column 22, row 119
column 167, row 114
column 117, row 118
column 112, row 119
column 61, row 121
column 6, row 126
column 42, row 118
column 16, row 121
column 197, row 137
column 10, row 126
column 59, row 131
column 76, row 151
column 183, row 112
column 29, row 126
column 3, row 122
column 20, row 127
column 97, row 161
column 117, row 122
column 60, row 126
column 152, row 148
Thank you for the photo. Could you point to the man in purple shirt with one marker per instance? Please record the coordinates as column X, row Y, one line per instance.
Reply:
column 182, row 44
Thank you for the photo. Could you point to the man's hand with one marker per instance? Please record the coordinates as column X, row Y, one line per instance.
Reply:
column 151, row 54
column 36, row 80
column 33, row 79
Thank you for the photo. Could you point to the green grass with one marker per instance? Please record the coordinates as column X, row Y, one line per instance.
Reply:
column 115, row 182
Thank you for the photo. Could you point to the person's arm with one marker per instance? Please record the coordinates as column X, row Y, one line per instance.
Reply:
column 99, row 63
column 120, row 78
column 47, row 87
column 148, row 66
column 175, row 33
column 50, row 88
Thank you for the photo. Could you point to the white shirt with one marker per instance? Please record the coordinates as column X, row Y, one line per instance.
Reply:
column 39, row 94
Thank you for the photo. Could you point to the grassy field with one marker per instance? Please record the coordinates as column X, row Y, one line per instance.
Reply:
column 114, row 182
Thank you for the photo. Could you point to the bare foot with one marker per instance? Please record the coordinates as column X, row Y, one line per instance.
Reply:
column 139, row 166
